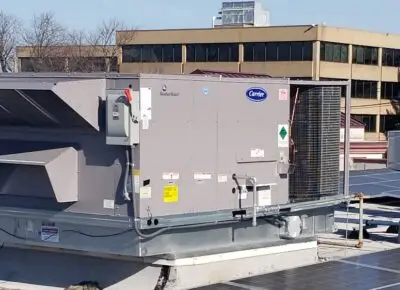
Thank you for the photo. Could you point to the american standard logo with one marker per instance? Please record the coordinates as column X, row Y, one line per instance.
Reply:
column 165, row 92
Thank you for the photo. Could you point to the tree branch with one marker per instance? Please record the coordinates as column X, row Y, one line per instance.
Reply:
column 10, row 28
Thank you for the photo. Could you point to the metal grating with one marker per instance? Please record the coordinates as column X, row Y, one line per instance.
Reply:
column 316, row 139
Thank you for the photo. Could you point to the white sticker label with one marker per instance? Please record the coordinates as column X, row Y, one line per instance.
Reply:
column 136, row 183
column 145, row 103
column 29, row 226
column 283, row 94
column 202, row 176
column 222, row 178
column 145, row 192
column 108, row 203
column 145, row 123
column 170, row 176
column 283, row 136
column 257, row 153
column 264, row 195
column 50, row 234
column 243, row 194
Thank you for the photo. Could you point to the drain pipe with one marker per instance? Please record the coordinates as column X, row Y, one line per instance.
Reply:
column 128, row 170
column 254, row 183
column 360, row 243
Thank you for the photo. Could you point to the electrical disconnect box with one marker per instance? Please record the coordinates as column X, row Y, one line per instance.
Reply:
column 123, row 113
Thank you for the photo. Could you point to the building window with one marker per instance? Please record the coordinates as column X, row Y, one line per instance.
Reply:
column 43, row 64
column 364, row 89
column 389, row 122
column 152, row 53
column 278, row 51
column 365, row 55
column 368, row 120
column 215, row 52
column 334, row 52
column 391, row 57
column 390, row 91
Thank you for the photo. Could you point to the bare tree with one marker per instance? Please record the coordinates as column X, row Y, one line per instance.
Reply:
column 104, row 42
column 10, row 28
column 45, row 39
column 80, row 54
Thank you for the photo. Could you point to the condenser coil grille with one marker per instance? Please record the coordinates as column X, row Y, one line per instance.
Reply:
column 315, row 137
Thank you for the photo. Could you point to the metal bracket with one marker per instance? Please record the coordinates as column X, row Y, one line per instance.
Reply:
column 253, row 182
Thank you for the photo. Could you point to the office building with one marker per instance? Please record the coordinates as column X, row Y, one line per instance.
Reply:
column 317, row 52
column 370, row 59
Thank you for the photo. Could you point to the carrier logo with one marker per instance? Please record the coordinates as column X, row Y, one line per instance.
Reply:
column 256, row 94
column 165, row 92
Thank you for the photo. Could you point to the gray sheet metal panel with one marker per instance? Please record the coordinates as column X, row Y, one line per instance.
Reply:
column 58, row 77
column 206, row 125
column 100, row 166
column 10, row 84
column 81, row 96
column 100, row 173
column 113, row 80
column 115, row 236
column 393, row 153
column 28, row 166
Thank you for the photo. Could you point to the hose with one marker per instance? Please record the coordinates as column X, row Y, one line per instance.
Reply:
column 126, row 177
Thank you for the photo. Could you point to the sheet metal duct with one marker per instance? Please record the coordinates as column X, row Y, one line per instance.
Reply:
column 34, row 172
column 43, row 103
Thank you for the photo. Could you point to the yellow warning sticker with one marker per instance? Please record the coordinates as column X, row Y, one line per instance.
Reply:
column 135, row 172
column 171, row 193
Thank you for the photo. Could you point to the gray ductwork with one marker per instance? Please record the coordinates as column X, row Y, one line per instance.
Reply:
column 39, row 169
column 39, row 103
column 42, row 170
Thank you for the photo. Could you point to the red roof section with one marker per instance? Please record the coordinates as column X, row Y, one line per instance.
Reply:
column 366, row 147
column 228, row 74
column 354, row 123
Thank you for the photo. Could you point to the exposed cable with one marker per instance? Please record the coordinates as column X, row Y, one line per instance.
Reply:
column 97, row 236
column 370, row 105
column 12, row 235
column 292, row 151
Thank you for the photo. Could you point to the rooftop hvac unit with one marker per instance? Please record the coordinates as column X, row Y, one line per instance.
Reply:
column 145, row 165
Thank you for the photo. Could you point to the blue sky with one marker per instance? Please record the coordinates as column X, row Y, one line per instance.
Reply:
column 380, row 15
